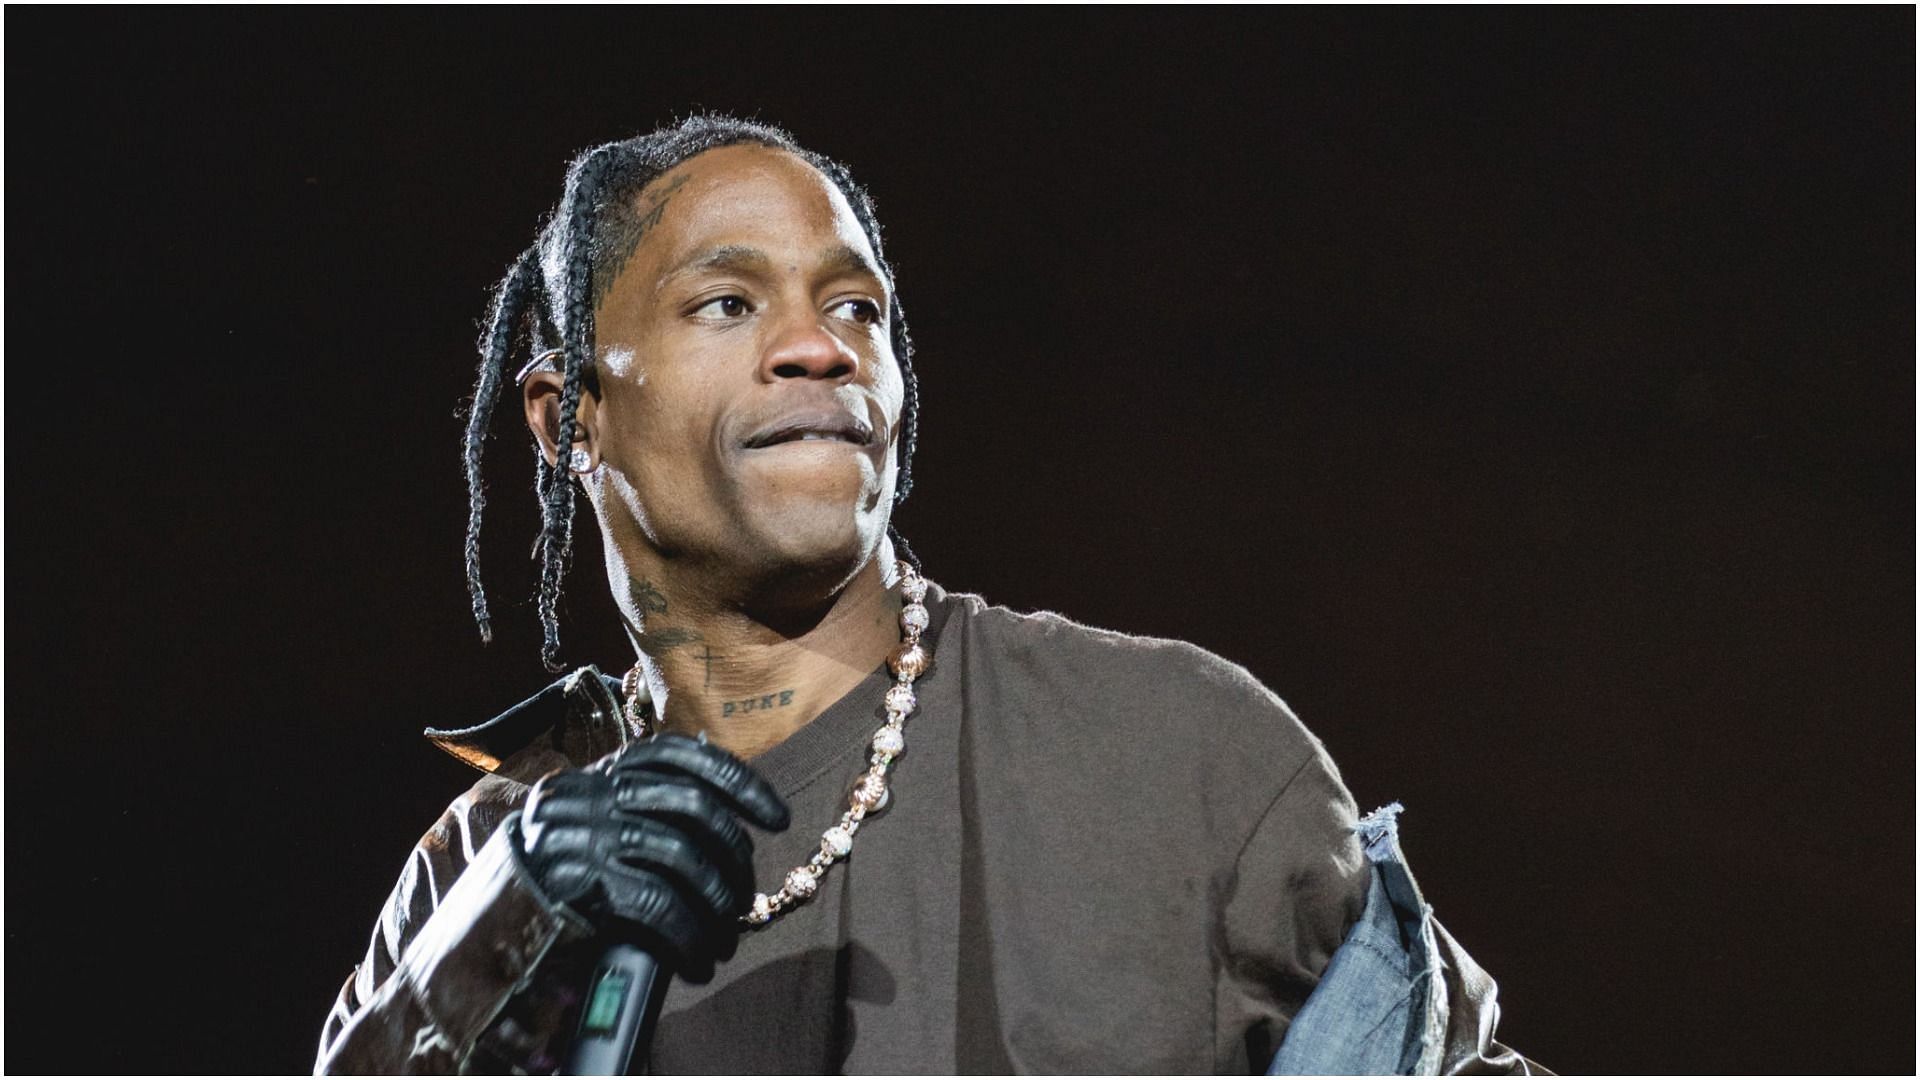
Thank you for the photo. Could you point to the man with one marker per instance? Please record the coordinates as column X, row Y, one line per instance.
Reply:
column 1018, row 844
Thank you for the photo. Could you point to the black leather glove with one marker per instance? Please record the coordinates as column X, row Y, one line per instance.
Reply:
column 644, row 844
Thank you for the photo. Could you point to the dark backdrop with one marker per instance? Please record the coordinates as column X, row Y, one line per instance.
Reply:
column 1525, row 397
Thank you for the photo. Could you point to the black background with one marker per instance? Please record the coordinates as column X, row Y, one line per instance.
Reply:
column 1526, row 397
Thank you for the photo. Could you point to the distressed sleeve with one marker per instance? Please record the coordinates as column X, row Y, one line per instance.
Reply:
column 462, row 933
column 1300, row 880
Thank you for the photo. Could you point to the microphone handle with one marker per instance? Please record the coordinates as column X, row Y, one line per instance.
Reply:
column 623, row 1001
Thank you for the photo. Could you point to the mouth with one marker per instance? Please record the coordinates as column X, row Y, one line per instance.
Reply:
column 812, row 427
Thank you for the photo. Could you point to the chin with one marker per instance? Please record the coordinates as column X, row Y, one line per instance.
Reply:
column 803, row 549
column 817, row 521
column 817, row 540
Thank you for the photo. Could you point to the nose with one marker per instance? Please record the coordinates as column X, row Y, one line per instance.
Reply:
column 805, row 349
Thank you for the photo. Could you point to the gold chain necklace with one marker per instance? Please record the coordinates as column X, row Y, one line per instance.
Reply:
column 908, row 661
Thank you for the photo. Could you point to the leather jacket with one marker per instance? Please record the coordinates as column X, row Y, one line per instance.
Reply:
column 466, row 930
column 471, row 969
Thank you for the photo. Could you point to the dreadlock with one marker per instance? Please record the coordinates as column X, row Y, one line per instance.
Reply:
column 547, row 301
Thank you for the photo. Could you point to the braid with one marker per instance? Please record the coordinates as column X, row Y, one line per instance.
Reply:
column 509, row 306
column 576, row 343
column 901, row 547
column 909, row 411
column 565, row 265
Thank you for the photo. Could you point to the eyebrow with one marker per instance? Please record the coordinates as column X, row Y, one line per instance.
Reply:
column 741, row 259
column 735, row 257
column 845, row 258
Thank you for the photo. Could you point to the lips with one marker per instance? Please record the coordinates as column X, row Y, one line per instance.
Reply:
column 811, row 426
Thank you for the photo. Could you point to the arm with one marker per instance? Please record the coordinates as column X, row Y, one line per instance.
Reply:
column 642, row 846
column 462, row 933
column 1299, row 882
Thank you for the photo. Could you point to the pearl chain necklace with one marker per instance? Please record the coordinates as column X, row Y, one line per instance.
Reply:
column 908, row 662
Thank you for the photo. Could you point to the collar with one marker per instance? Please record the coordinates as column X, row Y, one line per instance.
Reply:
column 578, row 716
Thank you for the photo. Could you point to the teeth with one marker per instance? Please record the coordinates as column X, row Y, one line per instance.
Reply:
column 811, row 436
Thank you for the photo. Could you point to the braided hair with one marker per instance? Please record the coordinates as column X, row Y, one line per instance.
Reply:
column 546, row 302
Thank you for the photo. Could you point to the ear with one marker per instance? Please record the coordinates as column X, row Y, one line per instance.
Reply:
column 540, row 394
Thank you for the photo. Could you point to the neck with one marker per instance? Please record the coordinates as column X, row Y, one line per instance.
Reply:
column 748, row 680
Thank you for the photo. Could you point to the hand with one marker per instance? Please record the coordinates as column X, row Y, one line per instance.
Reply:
column 644, row 844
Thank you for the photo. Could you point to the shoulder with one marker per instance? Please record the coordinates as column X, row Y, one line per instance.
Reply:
column 1051, row 643
column 573, row 721
column 1053, row 650
column 1168, row 695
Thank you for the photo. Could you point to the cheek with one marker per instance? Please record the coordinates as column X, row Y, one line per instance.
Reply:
column 668, row 427
column 668, row 443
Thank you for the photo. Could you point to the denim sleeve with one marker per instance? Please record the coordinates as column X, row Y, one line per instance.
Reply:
column 1400, row 996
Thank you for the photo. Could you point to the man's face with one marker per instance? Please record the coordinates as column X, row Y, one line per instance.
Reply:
column 750, row 399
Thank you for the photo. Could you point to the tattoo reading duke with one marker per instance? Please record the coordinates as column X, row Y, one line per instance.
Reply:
column 761, row 703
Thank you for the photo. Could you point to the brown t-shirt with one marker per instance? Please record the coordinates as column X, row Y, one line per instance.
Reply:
column 1103, row 853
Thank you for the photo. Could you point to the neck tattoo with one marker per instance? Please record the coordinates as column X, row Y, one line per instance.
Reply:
column 908, row 661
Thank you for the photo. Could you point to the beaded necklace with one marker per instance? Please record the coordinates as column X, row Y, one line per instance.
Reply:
column 908, row 661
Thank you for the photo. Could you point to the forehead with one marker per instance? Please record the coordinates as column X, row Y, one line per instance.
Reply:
column 750, row 196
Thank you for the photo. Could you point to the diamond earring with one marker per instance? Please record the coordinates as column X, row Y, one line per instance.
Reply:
column 579, row 461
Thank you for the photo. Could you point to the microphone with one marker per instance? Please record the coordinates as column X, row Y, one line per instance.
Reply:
column 623, row 1001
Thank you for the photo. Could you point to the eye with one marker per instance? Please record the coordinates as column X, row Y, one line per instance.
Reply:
column 724, row 307
column 864, row 312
